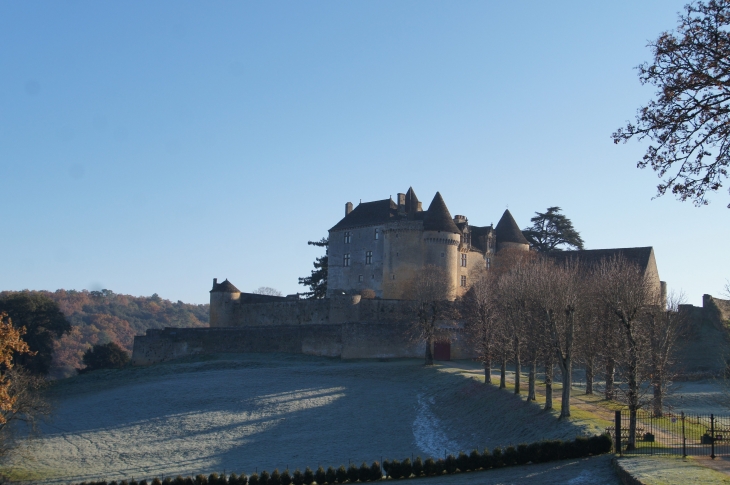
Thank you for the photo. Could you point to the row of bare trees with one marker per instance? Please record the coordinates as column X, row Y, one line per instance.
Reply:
column 539, row 312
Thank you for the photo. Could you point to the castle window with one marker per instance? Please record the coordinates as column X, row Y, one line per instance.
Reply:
column 443, row 254
column 489, row 263
column 368, row 257
column 346, row 260
column 359, row 278
column 347, row 237
column 376, row 234
column 392, row 277
column 463, row 281
column 463, row 261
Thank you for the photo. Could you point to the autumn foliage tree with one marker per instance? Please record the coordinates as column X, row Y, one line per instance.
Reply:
column 11, row 345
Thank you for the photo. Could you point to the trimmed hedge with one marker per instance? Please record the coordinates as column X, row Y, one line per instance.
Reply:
column 540, row 452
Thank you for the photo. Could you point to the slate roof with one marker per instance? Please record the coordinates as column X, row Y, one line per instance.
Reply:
column 438, row 218
column 639, row 256
column 411, row 200
column 369, row 214
column 225, row 287
column 507, row 230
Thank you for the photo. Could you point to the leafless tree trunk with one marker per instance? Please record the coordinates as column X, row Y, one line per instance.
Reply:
column 610, row 376
column 590, row 363
column 30, row 406
column 518, row 362
column 531, row 395
column 549, row 371
column 665, row 324
column 503, row 371
column 627, row 293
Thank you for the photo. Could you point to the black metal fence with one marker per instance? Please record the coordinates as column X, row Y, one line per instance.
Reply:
column 671, row 434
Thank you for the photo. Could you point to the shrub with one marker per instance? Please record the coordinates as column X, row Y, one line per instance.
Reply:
column 497, row 458
column 551, row 450
column 233, row 479
column 522, row 454
column 510, row 456
column 394, row 469
column 406, row 468
column 254, row 479
column 450, row 464
column 155, row 481
column 386, row 467
column 353, row 473
column 143, row 482
column 486, row 459
column 320, row 476
column 213, row 479
column 166, row 481
column 308, row 476
column 440, row 466
column 285, row 478
column 264, row 478
column 133, row 482
column 429, row 467
column 341, row 474
column 462, row 462
column 179, row 480
column 330, row 475
column 297, row 478
column 363, row 474
column 418, row 467
column 188, row 481
column 599, row 444
column 375, row 471
column 275, row 478
column 199, row 480
column 533, row 453
column 475, row 459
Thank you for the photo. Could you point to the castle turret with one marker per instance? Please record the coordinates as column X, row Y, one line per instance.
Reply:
column 509, row 235
column 441, row 239
column 223, row 297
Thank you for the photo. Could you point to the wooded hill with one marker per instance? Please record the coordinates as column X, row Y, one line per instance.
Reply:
column 99, row 317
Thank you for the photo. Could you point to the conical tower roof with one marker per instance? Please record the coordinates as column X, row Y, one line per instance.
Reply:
column 225, row 287
column 507, row 230
column 438, row 217
column 411, row 201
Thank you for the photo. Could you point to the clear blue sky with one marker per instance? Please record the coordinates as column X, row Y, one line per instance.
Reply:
column 152, row 146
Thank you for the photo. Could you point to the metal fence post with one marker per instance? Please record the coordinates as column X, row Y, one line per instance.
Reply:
column 617, row 427
column 712, row 435
column 684, row 439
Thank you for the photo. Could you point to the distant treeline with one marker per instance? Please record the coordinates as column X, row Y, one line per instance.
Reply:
column 99, row 317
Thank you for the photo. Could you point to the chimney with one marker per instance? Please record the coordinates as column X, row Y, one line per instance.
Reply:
column 401, row 203
column 215, row 282
column 420, row 206
column 348, row 208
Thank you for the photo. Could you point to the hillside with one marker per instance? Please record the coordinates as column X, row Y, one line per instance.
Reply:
column 248, row 411
column 104, row 316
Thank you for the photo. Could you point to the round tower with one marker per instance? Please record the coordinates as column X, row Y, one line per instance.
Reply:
column 441, row 240
column 509, row 235
column 223, row 298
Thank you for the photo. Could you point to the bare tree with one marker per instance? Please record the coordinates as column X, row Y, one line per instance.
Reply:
column 627, row 293
column 665, row 324
column 558, row 296
column 430, row 307
column 267, row 290
column 514, row 301
column 482, row 319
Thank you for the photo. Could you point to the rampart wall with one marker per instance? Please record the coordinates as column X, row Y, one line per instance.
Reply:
column 347, row 341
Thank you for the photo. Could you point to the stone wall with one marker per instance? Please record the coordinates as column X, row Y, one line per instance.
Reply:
column 347, row 341
column 706, row 346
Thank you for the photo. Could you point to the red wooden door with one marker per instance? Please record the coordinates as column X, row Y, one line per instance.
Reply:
column 442, row 350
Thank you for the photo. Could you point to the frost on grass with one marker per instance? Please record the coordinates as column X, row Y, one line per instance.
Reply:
column 427, row 431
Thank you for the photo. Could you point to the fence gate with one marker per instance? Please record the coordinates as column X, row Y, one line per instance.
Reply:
column 671, row 434
column 442, row 350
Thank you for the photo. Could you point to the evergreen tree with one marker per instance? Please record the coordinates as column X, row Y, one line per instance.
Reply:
column 317, row 281
column 552, row 229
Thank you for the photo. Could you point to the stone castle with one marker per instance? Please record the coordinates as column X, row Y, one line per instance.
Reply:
column 378, row 246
